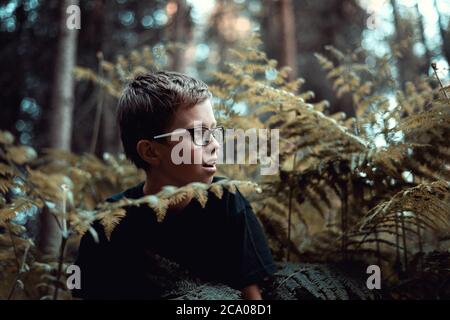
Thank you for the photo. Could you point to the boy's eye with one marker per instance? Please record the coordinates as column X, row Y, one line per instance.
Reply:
column 202, row 129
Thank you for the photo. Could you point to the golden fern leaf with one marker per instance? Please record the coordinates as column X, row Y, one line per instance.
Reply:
column 20, row 154
column 5, row 185
column 6, row 138
column 175, row 195
column 199, row 192
column 10, row 211
column 247, row 187
column 6, row 170
column 230, row 187
column 80, row 220
column 425, row 206
column 48, row 186
column 171, row 196
column 159, row 206
column 336, row 52
column 324, row 62
column 217, row 190
column 110, row 219
column 275, row 207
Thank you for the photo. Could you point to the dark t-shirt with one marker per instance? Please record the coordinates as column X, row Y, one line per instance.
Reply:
column 222, row 242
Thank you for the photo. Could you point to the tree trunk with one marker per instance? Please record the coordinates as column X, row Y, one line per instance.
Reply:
column 426, row 64
column 288, row 55
column 13, row 87
column 62, row 100
column 401, row 67
column 110, row 141
column 445, row 35
column 181, row 34
column 60, row 118
column 92, row 40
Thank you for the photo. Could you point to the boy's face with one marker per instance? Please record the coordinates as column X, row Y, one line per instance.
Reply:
column 181, row 174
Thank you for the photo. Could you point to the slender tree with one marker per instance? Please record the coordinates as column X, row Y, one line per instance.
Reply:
column 288, row 55
column 427, row 56
column 318, row 23
column 445, row 34
column 180, row 32
column 60, row 117
column 62, row 101
column 401, row 65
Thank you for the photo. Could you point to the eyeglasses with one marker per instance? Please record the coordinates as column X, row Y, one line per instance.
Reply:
column 201, row 136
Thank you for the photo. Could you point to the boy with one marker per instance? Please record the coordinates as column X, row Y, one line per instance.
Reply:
column 223, row 241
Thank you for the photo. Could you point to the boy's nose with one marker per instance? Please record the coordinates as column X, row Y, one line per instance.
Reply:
column 213, row 146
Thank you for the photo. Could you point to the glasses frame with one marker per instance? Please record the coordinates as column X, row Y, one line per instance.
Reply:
column 192, row 133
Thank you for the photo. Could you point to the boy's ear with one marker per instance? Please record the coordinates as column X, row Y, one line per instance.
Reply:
column 148, row 152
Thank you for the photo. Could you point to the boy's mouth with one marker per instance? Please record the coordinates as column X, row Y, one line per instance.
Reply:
column 210, row 164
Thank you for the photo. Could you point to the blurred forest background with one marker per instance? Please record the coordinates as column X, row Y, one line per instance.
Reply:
column 359, row 89
column 292, row 31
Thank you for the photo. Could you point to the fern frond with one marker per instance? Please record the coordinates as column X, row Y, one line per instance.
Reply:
column 6, row 138
column 10, row 211
column 110, row 220
column 161, row 201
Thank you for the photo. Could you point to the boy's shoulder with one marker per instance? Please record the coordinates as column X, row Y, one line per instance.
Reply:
column 134, row 192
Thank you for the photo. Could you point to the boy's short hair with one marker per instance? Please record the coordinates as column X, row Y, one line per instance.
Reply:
column 148, row 103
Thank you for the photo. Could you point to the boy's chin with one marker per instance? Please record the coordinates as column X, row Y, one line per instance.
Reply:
column 205, row 179
column 204, row 176
column 197, row 173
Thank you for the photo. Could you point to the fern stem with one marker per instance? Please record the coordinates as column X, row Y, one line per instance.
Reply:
column 13, row 245
column 289, row 223
column 99, row 108
column 344, row 212
column 60, row 266
column 419, row 238
column 405, row 249
column 19, row 272
column 378, row 246
column 434, row 67
column 397, row 241
column 290, row 208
